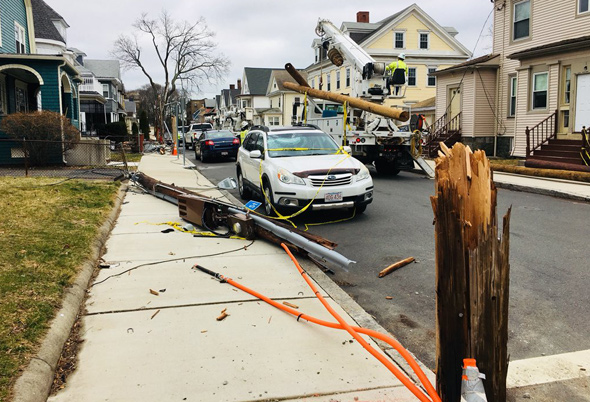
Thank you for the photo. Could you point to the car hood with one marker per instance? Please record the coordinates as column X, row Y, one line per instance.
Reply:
column 303, row 166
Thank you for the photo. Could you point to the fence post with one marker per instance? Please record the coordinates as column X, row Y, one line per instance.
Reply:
column 528, row 141
column 26, row 152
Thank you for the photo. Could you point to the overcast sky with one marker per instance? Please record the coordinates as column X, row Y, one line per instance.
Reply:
column 254, row 33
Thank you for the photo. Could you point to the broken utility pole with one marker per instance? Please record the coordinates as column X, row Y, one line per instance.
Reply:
column 472, row 274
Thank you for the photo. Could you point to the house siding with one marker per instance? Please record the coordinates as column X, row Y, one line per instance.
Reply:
column 11, row 11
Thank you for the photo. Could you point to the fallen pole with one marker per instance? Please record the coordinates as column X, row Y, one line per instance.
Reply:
column 395, row 266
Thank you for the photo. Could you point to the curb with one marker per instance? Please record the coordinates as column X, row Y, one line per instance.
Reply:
column 541, row 191
column 35, row 382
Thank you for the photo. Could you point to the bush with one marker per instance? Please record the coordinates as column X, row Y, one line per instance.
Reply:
column 134, row 130
column 48, row 135
column 116, row 131
column 144, row 125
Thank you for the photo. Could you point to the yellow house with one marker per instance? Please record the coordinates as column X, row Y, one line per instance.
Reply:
column 285, row 105
column 427, row 47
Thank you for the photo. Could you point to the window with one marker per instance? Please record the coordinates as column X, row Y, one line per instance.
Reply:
column 423, row 40
column 540, row 90
column 105, row 90
column 399, row 42
column 567, row 85
column 565, row 118
column 348, row 77
column 2, row 95
column 582, row 6
column 328, row 81
column 431, row 78
column 313, row 82
column 512, row 109
column 21, row 99
column 19, row 38
column 273, row 121
column 337, row 79
column 522, row 15
column 411, row 76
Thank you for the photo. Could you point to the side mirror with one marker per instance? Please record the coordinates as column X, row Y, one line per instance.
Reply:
column 347, row 149
column 228, row 184
column 256, row 154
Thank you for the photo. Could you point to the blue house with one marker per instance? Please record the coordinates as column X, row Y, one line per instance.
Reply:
column 35, row 74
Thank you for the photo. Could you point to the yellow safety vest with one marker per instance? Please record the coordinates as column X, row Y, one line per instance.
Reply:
column 397, row 64
column 243, row 135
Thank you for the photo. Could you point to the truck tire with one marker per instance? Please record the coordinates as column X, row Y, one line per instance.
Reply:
column 386, row 168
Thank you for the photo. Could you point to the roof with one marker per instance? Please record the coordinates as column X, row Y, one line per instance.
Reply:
column 209, row 103
column 43, row 17
column 485, row 60
column 359, row 31
column 104, row 68
column 257, row 79
column 229, row 96
column 130, row 106
column 580, row 43
column 425, row 104
column 282, row 76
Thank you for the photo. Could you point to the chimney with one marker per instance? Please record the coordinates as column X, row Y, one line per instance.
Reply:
column 232, row 86
column 240, row 85
column 362, row 16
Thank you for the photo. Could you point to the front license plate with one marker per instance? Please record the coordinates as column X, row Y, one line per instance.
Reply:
column 333, row 197
column 224, row 154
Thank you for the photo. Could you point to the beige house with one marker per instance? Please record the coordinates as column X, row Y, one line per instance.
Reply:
column 428, row 47
column 536, row 77
column 285, row 105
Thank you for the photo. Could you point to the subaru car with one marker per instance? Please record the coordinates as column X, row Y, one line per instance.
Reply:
column 216, row 144
column 292, row 168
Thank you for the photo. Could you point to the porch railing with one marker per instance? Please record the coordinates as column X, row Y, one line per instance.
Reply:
column 541, row 134
column 443, row 130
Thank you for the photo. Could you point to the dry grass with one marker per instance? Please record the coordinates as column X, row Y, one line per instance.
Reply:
column 45, row 234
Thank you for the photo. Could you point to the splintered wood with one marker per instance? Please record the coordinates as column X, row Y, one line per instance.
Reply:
column 472, row 273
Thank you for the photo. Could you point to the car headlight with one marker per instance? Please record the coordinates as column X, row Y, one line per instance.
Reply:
column 363, row 174
column 289, row 178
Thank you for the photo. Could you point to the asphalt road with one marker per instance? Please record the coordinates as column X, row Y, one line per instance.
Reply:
column 549, row 256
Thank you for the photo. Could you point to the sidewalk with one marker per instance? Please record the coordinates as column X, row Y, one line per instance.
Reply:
column 138, row 346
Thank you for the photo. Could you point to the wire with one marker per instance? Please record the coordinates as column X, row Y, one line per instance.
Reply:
column 170, row 260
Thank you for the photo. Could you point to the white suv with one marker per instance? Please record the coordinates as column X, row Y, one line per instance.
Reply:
column 193, row 132
column 292, row 166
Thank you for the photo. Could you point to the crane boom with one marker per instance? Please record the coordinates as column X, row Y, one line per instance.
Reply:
column 349, row 48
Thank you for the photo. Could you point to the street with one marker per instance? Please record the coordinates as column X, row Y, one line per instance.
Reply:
column 548, row 254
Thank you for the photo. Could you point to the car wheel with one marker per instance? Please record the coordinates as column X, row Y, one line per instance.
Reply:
column 244, row 191
column 203, row 157
column 267, row 200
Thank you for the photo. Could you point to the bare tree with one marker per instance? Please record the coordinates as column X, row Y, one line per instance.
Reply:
column 184, row 50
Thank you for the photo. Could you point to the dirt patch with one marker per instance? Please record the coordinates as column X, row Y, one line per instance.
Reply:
column 407, row 321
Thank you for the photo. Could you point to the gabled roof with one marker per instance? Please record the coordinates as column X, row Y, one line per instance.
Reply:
column 482, row 61
column 282, row 76
column 229, row 96
column 130, row 106
column 104, row 68
column 257, row 79
column 43, row 17
column 360, row 31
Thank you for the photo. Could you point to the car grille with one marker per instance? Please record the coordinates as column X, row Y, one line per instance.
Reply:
column 331, row 180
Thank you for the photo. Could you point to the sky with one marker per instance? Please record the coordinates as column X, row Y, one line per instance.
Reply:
column 253, row 33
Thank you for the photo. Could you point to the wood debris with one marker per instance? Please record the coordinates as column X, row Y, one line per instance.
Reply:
column 223, row 315
column 154, row 292
column 395, row 266
column 290, row 305
column 155, row 314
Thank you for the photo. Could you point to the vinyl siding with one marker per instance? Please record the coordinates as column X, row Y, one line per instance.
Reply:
column 468, row 96
column 11, row 11
column 485, row 102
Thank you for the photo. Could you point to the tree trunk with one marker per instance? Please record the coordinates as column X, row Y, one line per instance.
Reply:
column 472, row 274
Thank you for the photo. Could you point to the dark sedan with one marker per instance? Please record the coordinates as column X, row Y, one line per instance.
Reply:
column 211, row 144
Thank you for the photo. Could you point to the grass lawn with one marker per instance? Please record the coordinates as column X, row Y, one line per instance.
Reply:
column 46, row 229
column 131, row 157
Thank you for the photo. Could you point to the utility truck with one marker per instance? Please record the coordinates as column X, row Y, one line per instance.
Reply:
column 371, row 128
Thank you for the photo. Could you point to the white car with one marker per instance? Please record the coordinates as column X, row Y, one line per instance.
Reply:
column 290, row 167
column 193, row 132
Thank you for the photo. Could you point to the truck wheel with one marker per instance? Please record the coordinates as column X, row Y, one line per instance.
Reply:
column 386, row 168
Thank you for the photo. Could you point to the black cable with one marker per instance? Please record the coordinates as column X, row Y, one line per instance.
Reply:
column 170, row 260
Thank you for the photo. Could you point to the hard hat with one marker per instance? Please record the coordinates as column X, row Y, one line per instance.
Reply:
column 401, row 56
column 244, row 124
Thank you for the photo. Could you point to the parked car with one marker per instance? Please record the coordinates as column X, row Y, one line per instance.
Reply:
column 291, row 167
column 216, row 143
column 194, row 131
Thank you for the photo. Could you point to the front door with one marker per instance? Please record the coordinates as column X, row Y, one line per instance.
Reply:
column 582, row 101
column 454, row 102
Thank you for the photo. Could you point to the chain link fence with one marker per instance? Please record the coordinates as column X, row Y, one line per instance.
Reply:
column 87, row 158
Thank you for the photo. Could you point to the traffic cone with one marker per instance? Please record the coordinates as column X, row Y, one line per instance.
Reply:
column 174, row 150
column 471, row 385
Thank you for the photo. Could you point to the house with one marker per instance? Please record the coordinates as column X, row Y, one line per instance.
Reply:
column 108, row 74
column 30, row 80
column 536, row 81
column 229, row 114
column 285, row 105
column 427, row 45
column 252, row 100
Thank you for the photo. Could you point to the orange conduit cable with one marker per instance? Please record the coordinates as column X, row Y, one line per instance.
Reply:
column 374, row 334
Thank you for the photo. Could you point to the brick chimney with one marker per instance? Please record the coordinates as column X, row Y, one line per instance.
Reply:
column 362, row 16
column 232, row 86
column 240, row 85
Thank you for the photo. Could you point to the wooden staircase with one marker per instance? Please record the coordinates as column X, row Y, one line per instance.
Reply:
column 544, row 150
column 443, row 130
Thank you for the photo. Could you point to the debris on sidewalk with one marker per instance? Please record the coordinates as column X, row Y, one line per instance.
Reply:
column 223, row 315
column 154, row 292
column 395, row 266
column 155, row 314
column 290, row 305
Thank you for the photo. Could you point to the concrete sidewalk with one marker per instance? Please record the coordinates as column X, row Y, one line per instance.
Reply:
column 138, row 346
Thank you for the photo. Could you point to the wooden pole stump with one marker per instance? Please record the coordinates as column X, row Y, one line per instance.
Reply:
column 472, row 273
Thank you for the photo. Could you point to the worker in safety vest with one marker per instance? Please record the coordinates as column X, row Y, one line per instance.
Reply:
column 399, row 73
column 244, row 131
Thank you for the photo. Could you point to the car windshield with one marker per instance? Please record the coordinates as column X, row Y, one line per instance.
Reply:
column 300, row 144
column 218, row 134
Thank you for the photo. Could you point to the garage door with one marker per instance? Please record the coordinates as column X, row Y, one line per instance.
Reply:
column 582, row 101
